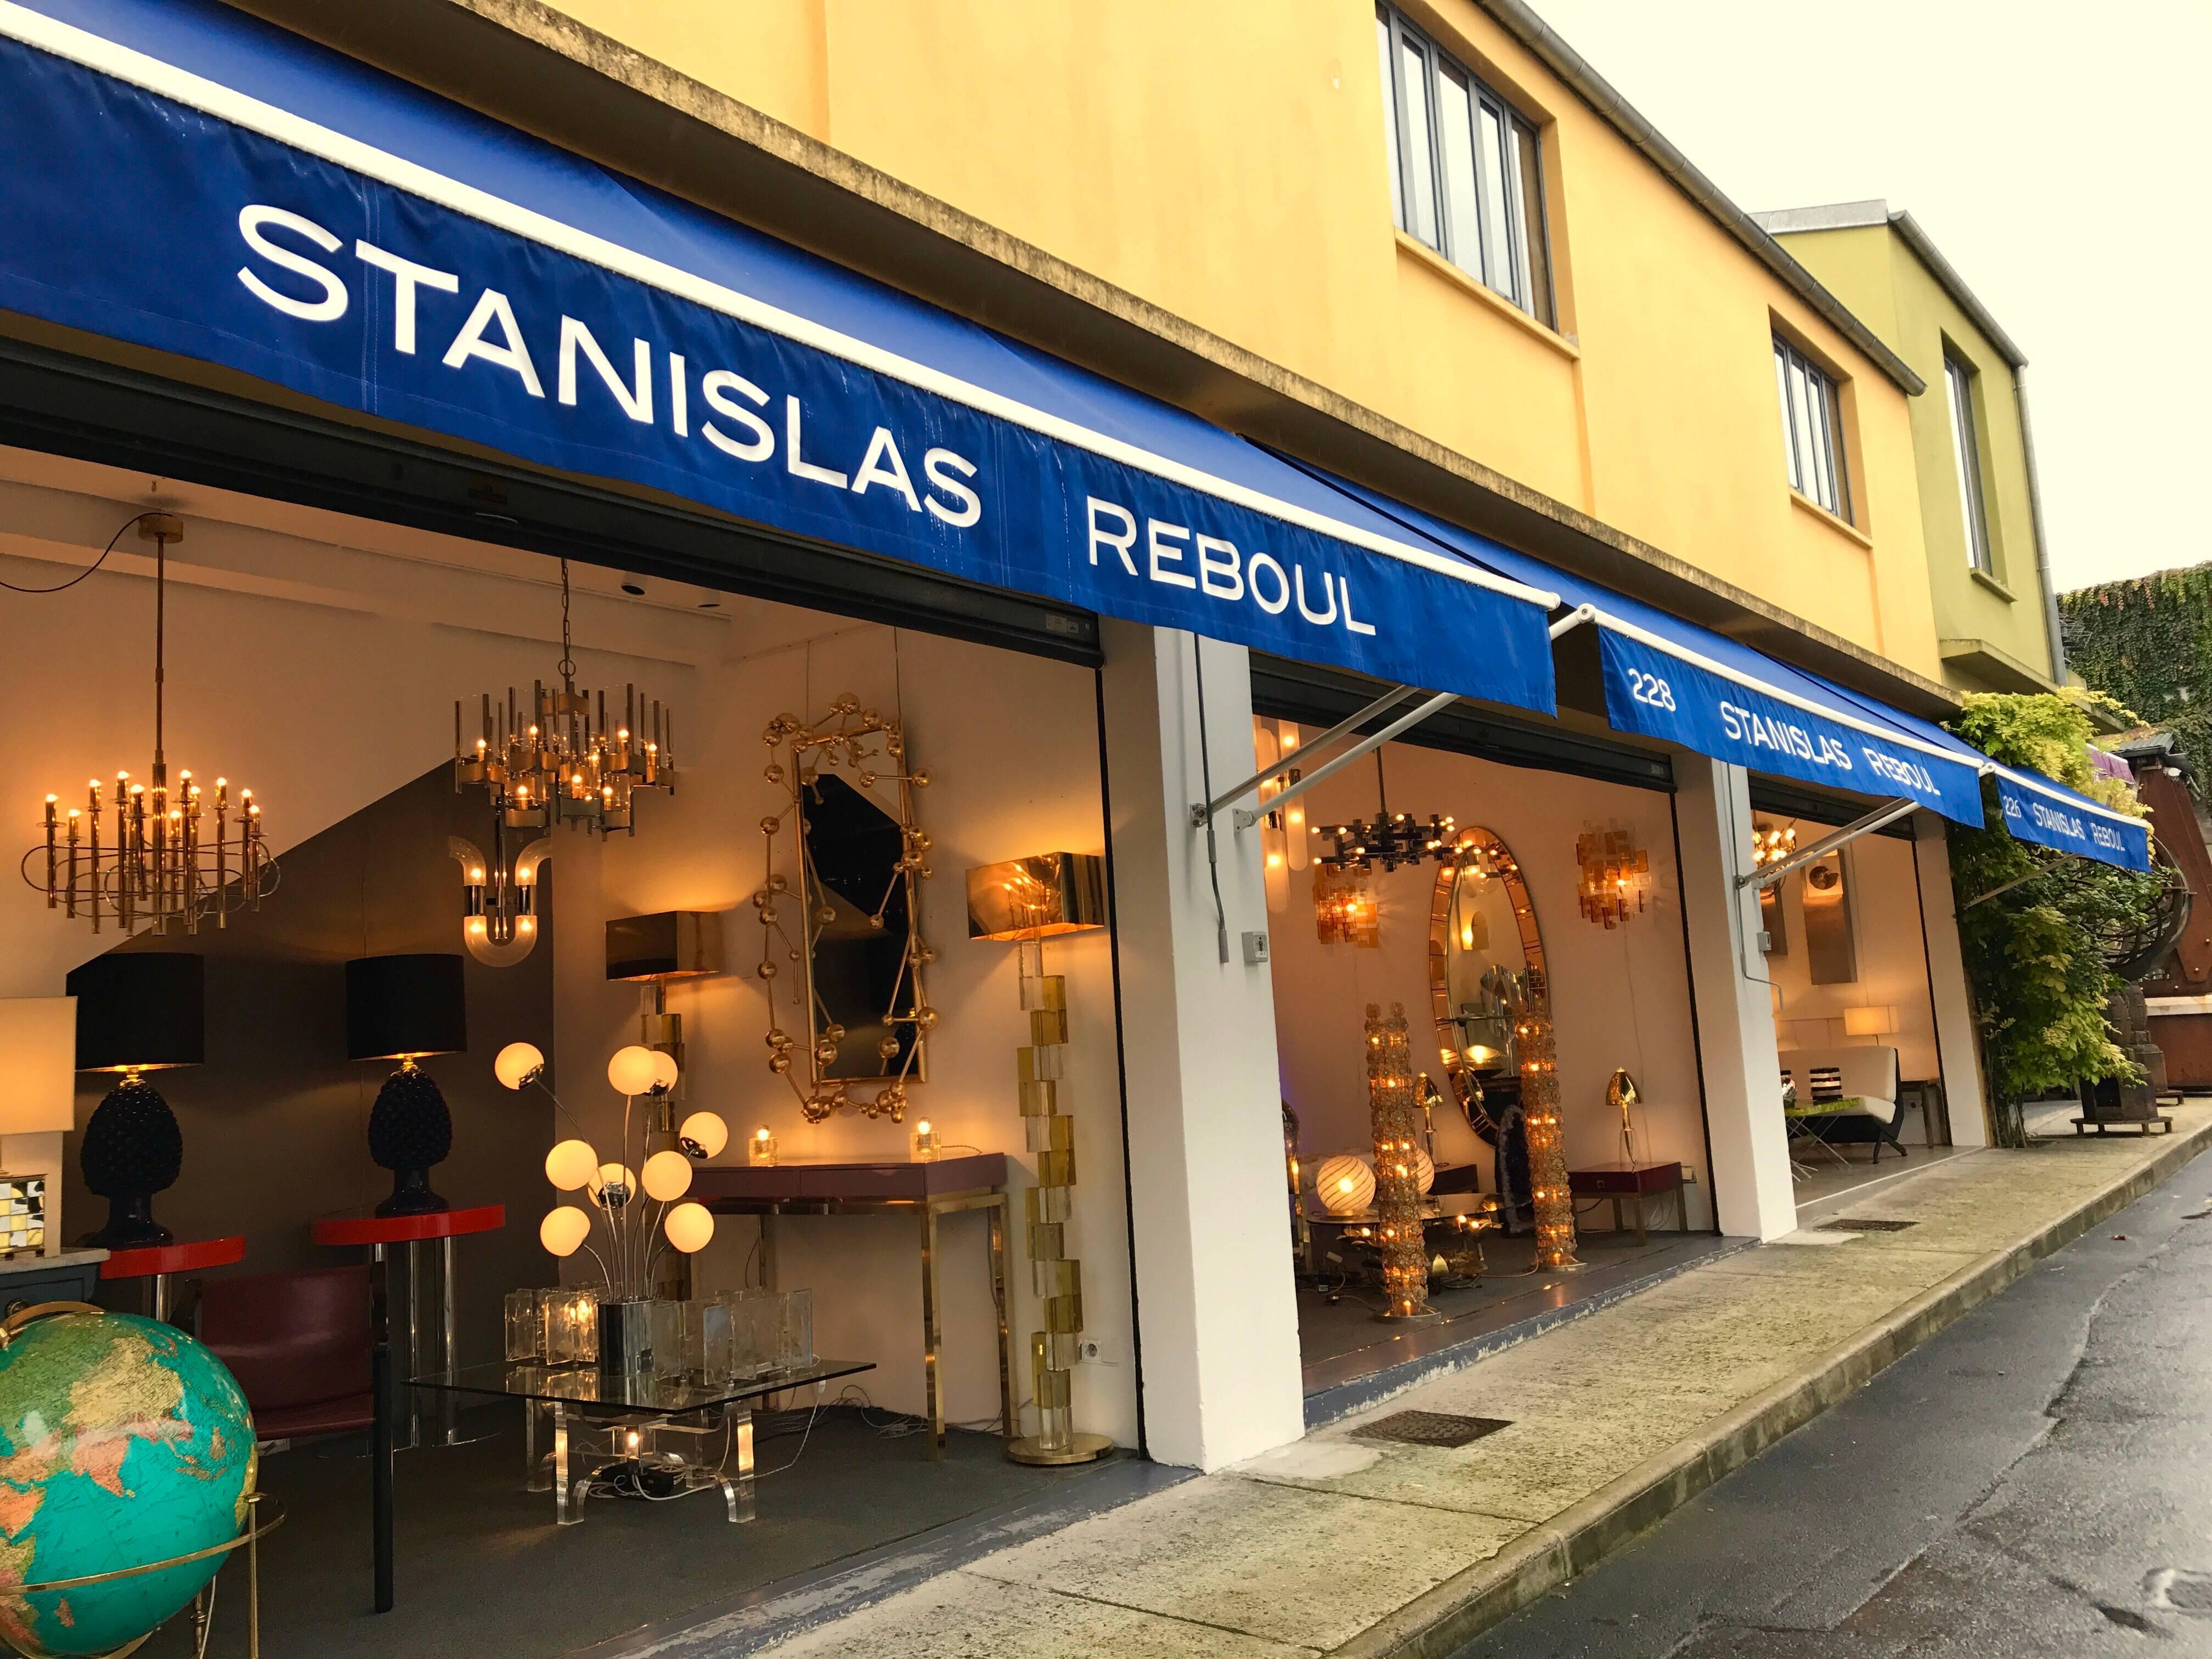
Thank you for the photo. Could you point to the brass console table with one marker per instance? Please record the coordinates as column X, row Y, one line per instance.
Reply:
column 927, row 1192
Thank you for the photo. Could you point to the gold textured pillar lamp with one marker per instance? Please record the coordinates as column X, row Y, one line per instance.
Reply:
column 1025, row 902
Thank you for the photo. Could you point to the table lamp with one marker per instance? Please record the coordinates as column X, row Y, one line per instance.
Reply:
column 38, row 1096
column 136, row 1011
column 1877, row 1020
column 407, row 1008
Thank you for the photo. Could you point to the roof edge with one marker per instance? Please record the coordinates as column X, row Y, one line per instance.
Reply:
column 1830, row 216
column 1564, row 61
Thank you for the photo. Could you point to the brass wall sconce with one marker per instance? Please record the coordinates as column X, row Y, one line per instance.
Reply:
column 649, row 951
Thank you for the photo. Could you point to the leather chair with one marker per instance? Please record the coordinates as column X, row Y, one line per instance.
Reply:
column 299, row 1344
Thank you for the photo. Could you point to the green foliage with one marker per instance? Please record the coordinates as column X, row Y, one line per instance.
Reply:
column 2032, row 948
column 2147, row 643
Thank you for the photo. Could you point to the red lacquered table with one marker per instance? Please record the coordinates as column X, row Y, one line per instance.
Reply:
column 158, row 1262
column 441, row 1227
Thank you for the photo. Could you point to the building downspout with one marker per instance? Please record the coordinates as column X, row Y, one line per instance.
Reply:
column 2035, row 524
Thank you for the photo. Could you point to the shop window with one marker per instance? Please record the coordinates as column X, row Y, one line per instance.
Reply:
column 1812, row 429
column 1465, row 177
column 1966, row 456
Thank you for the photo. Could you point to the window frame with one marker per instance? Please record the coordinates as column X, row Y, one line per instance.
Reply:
column 1810, row 400
column 1513, row 262
column 1960, row 378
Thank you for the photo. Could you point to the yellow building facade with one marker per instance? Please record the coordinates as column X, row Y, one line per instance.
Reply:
column 1226, row 168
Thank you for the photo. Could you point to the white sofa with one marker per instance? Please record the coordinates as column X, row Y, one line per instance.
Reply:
column 1846, row 1095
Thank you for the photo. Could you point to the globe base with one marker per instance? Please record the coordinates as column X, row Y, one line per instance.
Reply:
column 412, row 1196
column 130, row 1226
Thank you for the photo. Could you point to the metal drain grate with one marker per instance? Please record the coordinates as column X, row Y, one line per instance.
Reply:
column 1855, row 1224
column 1431, row 1428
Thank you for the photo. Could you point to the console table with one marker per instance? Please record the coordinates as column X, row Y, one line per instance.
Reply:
column 159, row 1263
column 927, row 1192
column 379, row 1233
column 1636, row 1182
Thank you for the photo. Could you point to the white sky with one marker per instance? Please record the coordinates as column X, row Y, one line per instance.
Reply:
column 2058, row 157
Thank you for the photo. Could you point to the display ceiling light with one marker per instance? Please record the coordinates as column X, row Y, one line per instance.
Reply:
column 561, row 764
column 154, row 854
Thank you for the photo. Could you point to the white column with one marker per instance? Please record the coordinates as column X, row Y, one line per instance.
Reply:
column 1957, row 1054
column 1752, row 1191
column 1216, row 1306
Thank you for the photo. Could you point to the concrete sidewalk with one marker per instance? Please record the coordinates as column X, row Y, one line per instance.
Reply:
column 1343, row 1545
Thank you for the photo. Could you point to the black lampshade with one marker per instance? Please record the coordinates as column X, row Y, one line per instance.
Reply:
column 406, row 1005
column 140, row 1008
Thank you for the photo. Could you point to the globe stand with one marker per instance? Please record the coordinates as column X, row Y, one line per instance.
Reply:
column 202, row 1608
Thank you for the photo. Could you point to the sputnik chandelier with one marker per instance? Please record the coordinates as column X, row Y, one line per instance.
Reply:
column 1389, row 839
column 561, row 765
column 170, row 857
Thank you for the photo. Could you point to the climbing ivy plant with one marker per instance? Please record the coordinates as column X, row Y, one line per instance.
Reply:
column 2030, row 918
column 2148, row 642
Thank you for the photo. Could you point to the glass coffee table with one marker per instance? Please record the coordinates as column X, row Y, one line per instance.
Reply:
column 637, row 1414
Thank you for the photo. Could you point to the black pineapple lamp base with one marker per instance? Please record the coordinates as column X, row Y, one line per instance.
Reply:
column 409, row 1131
column 132, row 1150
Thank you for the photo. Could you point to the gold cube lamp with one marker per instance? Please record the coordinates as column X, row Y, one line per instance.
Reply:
column 1025, row 902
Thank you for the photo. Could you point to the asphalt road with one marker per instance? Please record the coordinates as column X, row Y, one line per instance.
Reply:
column 2036, row 1481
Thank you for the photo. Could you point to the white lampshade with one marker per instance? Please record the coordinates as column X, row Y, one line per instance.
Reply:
column 564, row 1230
column 706, row 1131
column 1345, row 1184
column 667, row 1175
column 517, row 1063
column 571, row 1164
column 1424, row 1169
column 632, row 1070
column 1878, row 1020
column 665, row 1072
column 689, row 1226
column 37, row 1064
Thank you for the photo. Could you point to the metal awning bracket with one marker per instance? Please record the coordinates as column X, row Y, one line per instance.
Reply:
column 1203, row 813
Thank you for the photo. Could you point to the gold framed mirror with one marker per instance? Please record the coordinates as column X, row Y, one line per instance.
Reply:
column 858, row 952
column 1486, row 966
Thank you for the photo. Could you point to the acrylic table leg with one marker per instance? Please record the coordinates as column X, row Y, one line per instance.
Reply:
column 379, row 1467
column 1001, row 1224
column 160, row 1289
column 931, row 1335
column 561, row 1507
column 415, row 1365
column 737, row 1491
column 534, row 1460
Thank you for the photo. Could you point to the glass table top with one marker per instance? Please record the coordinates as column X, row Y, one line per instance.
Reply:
column 584, row 1385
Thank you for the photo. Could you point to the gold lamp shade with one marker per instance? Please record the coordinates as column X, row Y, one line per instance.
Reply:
column 1037, row 897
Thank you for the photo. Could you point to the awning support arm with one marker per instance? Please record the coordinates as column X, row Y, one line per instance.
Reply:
column 1574, row 619
column 1200, row 812
column 1768, row 874
column 1244, row 817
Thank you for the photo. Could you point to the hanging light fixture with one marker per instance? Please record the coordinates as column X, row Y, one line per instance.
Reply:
column 169, row 857
column 561, row 763
column 1389, row 839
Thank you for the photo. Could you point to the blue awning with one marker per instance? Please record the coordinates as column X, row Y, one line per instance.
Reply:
column 1665, row 677
column 183, row 177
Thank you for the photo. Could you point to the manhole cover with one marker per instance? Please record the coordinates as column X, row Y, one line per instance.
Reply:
column 1431, row 1428
column 1860, row 1225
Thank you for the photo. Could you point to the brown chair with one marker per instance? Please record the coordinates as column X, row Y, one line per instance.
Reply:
column 299, row 1344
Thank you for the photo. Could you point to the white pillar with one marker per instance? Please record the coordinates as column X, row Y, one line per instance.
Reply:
column 1742, row 1065
column 1216, row 1305
column 1958, row 1056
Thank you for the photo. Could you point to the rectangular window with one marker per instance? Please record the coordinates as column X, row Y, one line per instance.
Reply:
column 1959, row 385
column 1812, row 429
column 1465, row 170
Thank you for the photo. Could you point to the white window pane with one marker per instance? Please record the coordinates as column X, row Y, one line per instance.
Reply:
column 1789, row 428
column 1824, row 438
column 1420, row 164
column 1801, row 423
column 1521, row 153
column 1390, row 124
column 1497, row 253
column 1455, row 135
column 1965, row 462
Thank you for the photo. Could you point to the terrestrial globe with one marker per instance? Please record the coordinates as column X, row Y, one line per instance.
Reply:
column 123, row 1442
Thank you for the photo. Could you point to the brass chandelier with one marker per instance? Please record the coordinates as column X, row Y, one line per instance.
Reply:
column 168, row 856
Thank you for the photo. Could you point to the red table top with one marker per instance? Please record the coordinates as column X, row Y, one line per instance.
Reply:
column 408, row 1228
column 1626, row 1178
column 188, row 1257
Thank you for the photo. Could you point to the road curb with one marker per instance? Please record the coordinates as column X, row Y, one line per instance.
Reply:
column 1438, row 1623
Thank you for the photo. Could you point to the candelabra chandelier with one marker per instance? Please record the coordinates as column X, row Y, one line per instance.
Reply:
column 841, row 740
column 169, row 857
column 560, row 761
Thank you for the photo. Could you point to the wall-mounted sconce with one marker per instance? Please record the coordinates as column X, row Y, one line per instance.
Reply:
column 649, row 951
column 499, row 907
